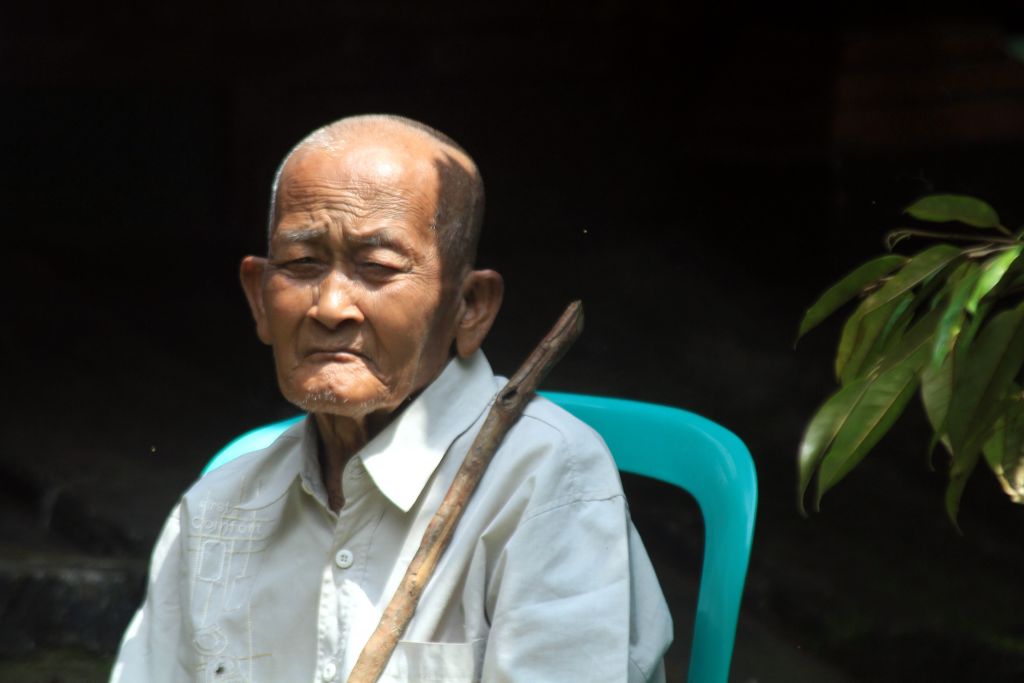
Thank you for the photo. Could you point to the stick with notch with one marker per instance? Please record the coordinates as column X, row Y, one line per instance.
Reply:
column 507, row 407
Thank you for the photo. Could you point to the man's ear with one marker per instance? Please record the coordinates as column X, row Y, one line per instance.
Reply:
column 479, row 301
column 251, row 273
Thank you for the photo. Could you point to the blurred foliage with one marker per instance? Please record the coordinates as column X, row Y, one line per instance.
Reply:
column 947, row 323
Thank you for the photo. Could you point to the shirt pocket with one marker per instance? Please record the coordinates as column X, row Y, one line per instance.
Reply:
column 435, row 662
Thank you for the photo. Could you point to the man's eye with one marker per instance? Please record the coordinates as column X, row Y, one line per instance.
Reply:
column 303, row 266
column 379, row 268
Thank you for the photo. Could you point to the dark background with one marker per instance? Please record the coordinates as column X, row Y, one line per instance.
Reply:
column 695, row 172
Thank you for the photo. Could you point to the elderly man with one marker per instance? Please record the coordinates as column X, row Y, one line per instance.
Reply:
column 276, row 567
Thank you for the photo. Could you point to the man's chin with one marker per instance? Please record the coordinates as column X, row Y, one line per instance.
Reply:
column 332, row 402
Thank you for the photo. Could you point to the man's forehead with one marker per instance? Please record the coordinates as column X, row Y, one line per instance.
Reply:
column 362, row 180
column 369, row 162
column 371, row 181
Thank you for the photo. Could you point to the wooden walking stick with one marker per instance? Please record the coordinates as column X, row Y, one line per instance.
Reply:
column 507, row 407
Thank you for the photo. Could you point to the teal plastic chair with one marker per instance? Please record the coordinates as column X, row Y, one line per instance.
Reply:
column 674, row 446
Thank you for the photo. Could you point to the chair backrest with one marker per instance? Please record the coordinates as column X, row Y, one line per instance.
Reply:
column 713, row 465
column 683, row 449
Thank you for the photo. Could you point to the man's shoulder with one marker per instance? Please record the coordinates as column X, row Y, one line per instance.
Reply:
column 551, row 443
column 551, row 421
column 254, row 478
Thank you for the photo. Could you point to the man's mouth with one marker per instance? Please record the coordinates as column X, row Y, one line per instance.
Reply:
column 337, row 355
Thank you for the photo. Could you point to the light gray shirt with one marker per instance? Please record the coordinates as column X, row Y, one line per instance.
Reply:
column 254, row 579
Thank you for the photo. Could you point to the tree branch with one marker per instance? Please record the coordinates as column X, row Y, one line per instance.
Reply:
column 894, row 237
column 506, row 409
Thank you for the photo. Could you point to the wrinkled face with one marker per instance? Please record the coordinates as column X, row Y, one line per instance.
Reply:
column 355, row 303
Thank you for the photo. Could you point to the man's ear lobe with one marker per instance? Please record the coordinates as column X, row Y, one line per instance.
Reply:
column 482, row 291
column 251, row 273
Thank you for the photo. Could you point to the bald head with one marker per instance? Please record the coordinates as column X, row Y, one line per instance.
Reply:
column 460, row 203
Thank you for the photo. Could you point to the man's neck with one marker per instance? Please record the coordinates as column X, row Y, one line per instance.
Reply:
column 340, row 438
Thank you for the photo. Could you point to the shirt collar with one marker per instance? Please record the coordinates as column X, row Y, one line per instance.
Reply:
column 402, row 458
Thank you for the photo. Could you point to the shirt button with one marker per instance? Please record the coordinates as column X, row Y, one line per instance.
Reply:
column 330, row 670
column 344, row 558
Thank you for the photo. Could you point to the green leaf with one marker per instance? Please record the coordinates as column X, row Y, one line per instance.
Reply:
column 991, row 365
column 977, row 321
column 992, row 274
column 942, row 208
column 822, row 430
column 852, row 420
column 920, row 267
column 1004, row 450
column 872, row 314
column 847, row 288
column 869, row 419
column 874, row 334
column 955, row 311
column 851, row 336
column 913, row 348
column 1013, row 439
column 936, row 388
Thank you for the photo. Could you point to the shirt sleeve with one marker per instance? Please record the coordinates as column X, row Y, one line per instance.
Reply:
column 575, row 599
column 152, row 649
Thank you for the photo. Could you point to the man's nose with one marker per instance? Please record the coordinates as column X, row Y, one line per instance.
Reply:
column 335, row 300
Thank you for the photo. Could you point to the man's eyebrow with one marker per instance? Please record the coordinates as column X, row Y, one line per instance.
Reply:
column 302, row 234
column 380, row 239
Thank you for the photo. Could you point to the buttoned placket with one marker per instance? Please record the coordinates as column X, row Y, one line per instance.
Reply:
column 343, row 572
